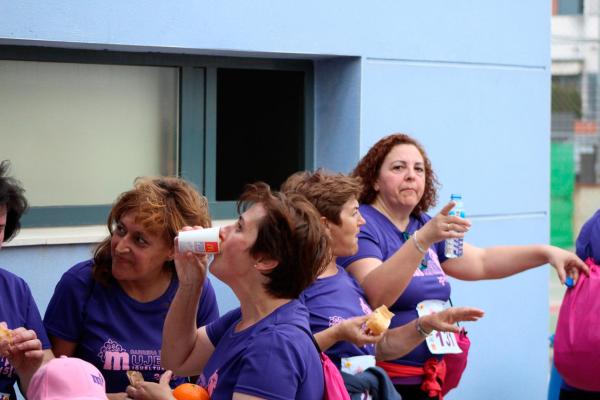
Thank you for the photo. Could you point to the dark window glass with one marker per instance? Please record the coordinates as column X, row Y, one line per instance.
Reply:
column 570, row 7
column 260, row 128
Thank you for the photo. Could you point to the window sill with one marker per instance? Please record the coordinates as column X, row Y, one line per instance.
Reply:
column 69, row 235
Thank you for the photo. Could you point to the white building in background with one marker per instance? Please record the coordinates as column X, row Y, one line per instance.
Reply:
column 575, row 60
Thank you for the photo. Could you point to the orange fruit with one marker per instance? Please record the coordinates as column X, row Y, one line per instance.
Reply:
column 189, row 391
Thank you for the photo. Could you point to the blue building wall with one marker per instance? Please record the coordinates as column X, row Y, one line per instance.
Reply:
column 469, row 79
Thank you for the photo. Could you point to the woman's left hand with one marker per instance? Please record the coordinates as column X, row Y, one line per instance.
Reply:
column 152, row 390
column 445, row 321
column 566, row 264
column 191, row 267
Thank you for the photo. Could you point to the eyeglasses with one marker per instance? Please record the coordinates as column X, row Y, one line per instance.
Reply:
column 425, row 259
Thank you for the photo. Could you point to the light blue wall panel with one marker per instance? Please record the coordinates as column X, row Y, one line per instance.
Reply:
column 509, row 354
column 42, row 266
column 513, row 33
column 485, row 128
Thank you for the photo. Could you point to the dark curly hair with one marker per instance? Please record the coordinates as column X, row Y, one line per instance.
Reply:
column 163, row 205
column 290, row 233
column 12, row 195
column 369, row 166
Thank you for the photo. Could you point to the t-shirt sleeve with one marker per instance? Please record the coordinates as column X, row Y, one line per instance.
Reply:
column 216, row 329
column 368, row 247
column 64, row 315
column 34, row 319
column 440, row 249
column 208, row 310
column 588, row 243
column 18, row 300
column 286, row 369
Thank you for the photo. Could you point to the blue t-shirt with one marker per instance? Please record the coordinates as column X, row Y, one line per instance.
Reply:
column 273, row 359
column 17, row 308
column 114, row 332
column 331, row 300
column 379, row 238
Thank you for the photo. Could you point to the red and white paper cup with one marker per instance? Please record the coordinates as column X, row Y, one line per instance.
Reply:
column 205, row 241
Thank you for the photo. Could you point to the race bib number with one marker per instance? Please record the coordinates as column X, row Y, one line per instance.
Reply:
column 438, row 342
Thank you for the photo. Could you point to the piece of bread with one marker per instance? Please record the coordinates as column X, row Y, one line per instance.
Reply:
column 6, row 334
column 135, row 377
column 379, row 320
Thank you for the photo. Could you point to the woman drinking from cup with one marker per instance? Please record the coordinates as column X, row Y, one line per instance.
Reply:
column 264, row 348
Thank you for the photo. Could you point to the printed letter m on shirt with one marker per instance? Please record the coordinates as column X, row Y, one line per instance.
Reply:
column 116, row 361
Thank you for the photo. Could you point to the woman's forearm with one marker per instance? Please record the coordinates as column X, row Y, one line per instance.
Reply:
column 386, row 280
column 180, row 331
column 399, row 341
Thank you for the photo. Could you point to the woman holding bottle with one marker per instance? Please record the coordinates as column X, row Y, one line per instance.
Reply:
column 399, row 187
column 336, row 302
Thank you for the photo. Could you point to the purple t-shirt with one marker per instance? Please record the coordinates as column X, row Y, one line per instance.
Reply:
column 17, row 308
column 273, row 359
column 588, row 241
column 380, row 239
column 113, row 331
column 331, row 300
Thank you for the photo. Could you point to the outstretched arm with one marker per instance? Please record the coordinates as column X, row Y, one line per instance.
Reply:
column 502, row 261
column 399, row 341
column 350, row 330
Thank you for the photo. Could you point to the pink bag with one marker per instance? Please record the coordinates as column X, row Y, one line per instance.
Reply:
column 334, row 383
column 456, row 363
column 577, row 339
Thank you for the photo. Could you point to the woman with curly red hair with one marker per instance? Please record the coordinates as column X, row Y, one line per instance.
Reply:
column 399, row 187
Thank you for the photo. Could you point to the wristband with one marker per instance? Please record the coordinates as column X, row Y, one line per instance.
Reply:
column 417, row 244
column 421, row 330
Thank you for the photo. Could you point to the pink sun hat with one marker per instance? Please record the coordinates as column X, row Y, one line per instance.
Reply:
column 67, row 378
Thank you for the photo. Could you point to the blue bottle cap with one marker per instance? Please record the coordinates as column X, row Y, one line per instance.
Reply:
column 569, row 282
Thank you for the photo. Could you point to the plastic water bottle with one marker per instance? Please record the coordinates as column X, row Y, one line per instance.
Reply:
column 454, row 247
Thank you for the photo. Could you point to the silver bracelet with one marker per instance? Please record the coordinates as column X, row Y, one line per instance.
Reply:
column 421, row 330
column 417, row 244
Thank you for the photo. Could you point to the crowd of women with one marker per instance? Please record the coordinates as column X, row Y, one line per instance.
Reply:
column 307, row 264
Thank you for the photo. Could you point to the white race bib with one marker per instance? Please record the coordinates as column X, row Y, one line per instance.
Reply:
column 357, row 364
column 438, row 342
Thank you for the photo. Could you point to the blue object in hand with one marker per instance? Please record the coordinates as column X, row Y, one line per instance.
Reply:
column 569, row 282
